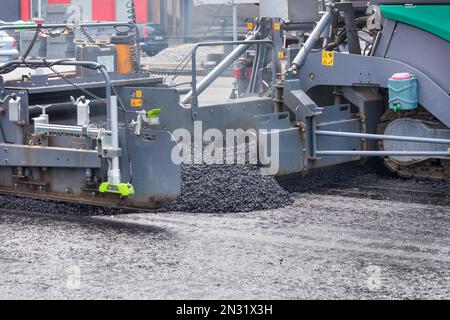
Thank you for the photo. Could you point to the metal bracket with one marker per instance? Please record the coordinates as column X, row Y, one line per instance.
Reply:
column 104, row 149
column 83, row 110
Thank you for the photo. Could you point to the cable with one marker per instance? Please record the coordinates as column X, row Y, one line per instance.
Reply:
column 367, row 47
column 84, row 91
column 356, row 32
column 341, row 38
column 32, row 43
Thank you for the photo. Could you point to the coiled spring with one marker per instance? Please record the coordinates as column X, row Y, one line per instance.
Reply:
column 87, row 36
column 134, row 50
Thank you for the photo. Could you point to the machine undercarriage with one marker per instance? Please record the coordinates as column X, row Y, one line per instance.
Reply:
column 334, row 86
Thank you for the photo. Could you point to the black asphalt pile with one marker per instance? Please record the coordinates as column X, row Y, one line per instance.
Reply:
column 52, row 207
column 228, row 188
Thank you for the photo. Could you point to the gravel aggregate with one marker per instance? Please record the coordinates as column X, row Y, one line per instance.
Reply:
column 222, row 188
column 177, row 54
column 228, row 188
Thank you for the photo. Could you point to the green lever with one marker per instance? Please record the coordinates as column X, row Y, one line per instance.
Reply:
column 154, row 113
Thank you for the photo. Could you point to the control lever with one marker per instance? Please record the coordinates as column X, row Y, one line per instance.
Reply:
column 150, row 117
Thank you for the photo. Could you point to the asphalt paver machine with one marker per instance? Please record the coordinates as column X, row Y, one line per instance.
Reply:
column 335, row 81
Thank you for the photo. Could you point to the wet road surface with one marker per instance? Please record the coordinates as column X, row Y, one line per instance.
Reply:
column 323, row 246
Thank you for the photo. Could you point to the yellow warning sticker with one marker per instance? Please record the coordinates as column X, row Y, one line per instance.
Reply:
column 136, row 94
column 280, row 54
column 277, row 26
column 136, row 102
column 328, row 58
column 250, row 26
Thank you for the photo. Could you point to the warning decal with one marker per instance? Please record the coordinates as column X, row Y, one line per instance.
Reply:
column 328, row 58
column 136, row 94
column 280, row 55
column 136, row 102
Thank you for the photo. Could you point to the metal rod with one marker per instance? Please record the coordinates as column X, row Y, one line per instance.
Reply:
column 39, row 9
column 221, row 67
column 314, row 37
column 384, row 153
column 381, row 137
column 91, row 131
column 235, row 22
column 313, row 137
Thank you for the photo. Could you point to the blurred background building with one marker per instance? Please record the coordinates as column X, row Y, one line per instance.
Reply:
column 180, row 18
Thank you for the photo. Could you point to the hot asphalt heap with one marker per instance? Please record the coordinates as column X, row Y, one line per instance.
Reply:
column 228, row 188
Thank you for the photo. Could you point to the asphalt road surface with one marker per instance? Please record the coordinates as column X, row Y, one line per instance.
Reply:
column 323, row 246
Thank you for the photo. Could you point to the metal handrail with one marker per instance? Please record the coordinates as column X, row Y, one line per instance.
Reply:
column 378, row 137
column 194, row 98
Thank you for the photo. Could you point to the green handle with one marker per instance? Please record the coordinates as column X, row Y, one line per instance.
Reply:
column 154, row 113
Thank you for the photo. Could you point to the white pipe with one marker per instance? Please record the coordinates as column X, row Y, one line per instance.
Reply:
column 235, row 23
column 114, row 175
column 40, row 9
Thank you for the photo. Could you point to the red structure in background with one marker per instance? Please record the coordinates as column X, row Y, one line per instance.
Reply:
column 102, row 10
column 141, row 10
column 105, row 10
column 25, row 10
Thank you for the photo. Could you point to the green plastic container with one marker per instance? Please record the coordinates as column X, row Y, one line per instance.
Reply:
column 402, row 92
